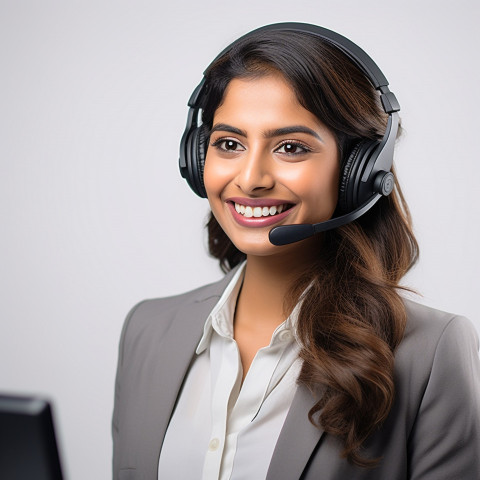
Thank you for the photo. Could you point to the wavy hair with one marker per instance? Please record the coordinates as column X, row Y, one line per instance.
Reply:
column 352, row 317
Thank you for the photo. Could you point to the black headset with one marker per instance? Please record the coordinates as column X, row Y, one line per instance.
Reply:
column 365, row 175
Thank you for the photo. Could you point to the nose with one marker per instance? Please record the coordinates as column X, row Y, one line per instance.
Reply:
column 255, row 174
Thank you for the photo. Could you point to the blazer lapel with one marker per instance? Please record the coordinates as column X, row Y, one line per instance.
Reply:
column 297, row 441
column 173, row 357
column 177, row 350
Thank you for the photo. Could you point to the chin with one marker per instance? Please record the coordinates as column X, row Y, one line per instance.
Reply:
column 263, row 248
column 258, row 246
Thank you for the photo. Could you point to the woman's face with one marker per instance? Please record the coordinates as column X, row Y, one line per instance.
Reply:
column 269, row 162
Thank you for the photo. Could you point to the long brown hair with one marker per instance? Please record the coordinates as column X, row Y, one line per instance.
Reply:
column 352, row 317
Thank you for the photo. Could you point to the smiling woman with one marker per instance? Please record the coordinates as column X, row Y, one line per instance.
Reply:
column 305, row 361
column 268, row 154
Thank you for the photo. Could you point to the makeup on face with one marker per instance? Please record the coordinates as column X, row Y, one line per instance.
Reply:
column 269, row 162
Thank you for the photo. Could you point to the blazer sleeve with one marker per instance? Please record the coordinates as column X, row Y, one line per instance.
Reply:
column 445, row 440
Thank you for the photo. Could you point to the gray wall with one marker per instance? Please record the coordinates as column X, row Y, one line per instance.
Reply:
column 95, row 216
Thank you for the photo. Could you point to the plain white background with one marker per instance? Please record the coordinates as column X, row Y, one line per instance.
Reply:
column 95, row 216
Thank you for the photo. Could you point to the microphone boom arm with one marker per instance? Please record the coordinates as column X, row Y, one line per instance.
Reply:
column 285, row 234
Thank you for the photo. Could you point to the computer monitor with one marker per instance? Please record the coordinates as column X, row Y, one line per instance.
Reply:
column 28, row 446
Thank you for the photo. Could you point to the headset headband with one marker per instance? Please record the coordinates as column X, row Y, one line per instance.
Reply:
column 353, row 51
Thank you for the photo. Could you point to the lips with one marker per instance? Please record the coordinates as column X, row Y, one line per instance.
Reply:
column 254, row 212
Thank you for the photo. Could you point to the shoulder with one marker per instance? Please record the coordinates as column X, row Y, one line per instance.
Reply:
column 430, row 331
column 151, row 309
column 437, row 347
column 427, row 326
column 149, row 319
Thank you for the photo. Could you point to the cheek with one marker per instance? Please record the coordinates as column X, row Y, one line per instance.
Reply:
column 329, row 184
column 321, row 189
column 216, row 176
column 212, row 177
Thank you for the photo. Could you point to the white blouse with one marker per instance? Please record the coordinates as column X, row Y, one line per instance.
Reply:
column 221, row 429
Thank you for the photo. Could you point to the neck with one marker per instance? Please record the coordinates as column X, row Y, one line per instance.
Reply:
column 266, row 284
column 261, row 305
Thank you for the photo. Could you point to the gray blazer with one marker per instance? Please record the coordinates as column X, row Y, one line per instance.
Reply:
column 431, row 433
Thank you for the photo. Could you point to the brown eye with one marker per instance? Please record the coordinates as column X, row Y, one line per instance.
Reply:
column 230, row 145
column 290, row 148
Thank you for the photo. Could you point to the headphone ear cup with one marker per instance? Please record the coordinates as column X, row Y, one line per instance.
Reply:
column 201, row 154
column 196, row 160
column 349, row 198
column 345, row 187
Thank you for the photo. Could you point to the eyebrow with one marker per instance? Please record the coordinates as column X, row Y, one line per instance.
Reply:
column 228, row 128
column 277, row 132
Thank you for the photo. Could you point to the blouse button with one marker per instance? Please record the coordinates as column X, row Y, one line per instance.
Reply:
column 214, row 444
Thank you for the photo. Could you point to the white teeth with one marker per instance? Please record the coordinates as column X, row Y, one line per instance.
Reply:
column 258, row 212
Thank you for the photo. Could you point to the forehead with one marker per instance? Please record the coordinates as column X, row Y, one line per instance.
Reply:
column 266, row 101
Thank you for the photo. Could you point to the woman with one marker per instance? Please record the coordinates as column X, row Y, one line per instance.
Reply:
column 304, row 361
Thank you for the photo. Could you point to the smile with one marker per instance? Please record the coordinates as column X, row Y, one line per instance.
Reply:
column 257, row 212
